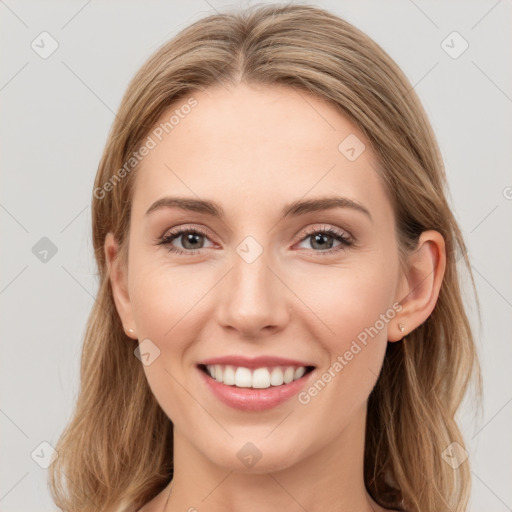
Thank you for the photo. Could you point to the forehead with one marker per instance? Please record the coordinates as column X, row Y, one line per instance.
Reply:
column 257, row 146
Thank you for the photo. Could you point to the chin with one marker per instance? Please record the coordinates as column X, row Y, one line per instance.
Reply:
column 257, row 457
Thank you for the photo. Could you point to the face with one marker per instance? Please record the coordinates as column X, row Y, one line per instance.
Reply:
column 311, row 289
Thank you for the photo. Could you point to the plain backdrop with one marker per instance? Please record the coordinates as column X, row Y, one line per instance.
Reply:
column 55, row 115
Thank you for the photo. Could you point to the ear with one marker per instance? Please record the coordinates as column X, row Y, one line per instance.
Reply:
column 419, row 288
column 118, row 275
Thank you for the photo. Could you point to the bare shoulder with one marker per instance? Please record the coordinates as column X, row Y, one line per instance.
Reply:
column 148, row 507
column 155, row 505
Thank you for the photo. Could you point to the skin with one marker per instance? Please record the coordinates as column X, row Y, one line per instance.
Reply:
column 254, row 149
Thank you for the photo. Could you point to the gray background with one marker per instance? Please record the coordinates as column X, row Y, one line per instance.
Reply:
column 55, row 116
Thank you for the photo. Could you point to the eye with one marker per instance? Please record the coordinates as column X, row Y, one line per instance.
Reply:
column 324, row 237
column 188, row 237
column 192, row 240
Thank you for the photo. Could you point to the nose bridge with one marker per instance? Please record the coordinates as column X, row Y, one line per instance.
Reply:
column 253, row 297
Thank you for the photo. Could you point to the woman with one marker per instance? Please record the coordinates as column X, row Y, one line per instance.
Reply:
column 279, row 323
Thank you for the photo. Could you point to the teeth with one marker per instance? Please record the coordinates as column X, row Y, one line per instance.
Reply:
column 299, row 372
column 288, row 374
column 229, row 376
column 243, row 378
column 276, row 377
column 259, row 378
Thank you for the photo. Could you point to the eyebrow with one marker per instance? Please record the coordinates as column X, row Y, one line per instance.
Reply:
column 300, row 207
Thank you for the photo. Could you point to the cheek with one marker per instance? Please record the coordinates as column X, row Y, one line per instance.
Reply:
column 347, row 302
column 163, row 299
column 352, row 313
column 167, row 305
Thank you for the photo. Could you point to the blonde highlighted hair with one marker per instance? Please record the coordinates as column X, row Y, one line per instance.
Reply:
column 116, row 452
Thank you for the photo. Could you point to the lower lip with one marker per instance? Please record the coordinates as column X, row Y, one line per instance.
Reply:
column 250, row 399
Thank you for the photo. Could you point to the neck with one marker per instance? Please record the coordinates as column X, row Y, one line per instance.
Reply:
column 327, row 477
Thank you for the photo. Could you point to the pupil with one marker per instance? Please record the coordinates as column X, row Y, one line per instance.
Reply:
column 190, row 239
column 318, row 239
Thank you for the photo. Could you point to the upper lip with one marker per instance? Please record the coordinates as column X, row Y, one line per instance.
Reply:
column 254, row 362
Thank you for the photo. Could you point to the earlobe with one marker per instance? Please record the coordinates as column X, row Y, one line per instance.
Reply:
column 119, row 283
column 427, row 265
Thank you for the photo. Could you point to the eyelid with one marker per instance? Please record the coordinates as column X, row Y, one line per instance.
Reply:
column 315, row 228
column 186, row 227
column 319, row 227
column 176, row 231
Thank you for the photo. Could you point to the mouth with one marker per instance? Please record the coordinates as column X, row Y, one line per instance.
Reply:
column 254, row 389
column 255, row 378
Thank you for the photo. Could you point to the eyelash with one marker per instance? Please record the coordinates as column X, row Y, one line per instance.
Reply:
column 345, row 241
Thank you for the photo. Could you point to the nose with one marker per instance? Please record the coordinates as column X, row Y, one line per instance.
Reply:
column 253, row 299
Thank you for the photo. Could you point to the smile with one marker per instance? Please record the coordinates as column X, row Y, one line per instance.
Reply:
column 254, row 389
column 256, row 378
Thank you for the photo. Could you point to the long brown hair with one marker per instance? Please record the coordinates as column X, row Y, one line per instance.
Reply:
column 116, row 451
